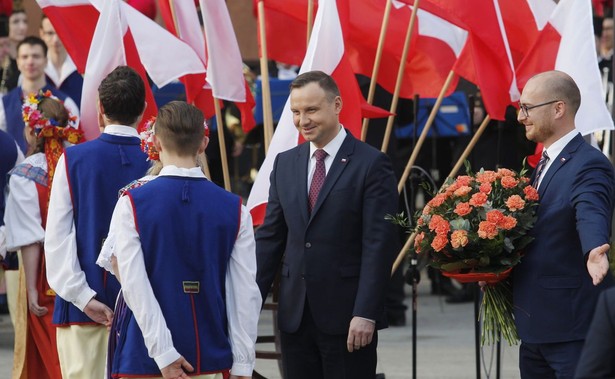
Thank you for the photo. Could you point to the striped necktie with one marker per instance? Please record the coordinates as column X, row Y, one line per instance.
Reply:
column 542, row 163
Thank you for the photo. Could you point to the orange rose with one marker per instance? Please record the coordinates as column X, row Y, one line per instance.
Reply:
column 485, row 188
column 464, row 180
column 463, row 209
column 507, row 222
column 515, row 203
column 439, row 242
column 439, row 225
column 437, row 200
column 452, row 188
column 530, row 193
column 495, row 216
column 462, row 191
column 486, row 177
column 459, row 238
column 487, row 230
column 509, row 182
column 426, row 210
column 478, row 199
column 504, row 172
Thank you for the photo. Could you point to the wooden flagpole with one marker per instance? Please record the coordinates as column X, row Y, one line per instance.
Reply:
column 310, row 16
column 221, row 141
column 267, row 113
column 400, row 77
column 374, row 78
column 462, row 158
column 423, row 135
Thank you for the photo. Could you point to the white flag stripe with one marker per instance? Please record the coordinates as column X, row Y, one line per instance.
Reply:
column 224, row 64
column 176, row 60
column 106, row 53
column 577, row 57
column 189, row 28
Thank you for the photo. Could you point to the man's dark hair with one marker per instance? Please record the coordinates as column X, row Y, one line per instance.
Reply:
column 325, row 82
column 122, row 95
column 33, row 41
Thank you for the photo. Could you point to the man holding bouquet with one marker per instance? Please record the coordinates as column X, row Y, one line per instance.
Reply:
column 557, row 282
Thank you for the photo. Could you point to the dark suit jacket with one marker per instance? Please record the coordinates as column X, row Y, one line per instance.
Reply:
column 339, row 258
column 598, row 357
column 554, row 297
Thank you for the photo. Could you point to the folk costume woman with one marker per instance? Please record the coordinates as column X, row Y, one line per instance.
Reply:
column 48, row 126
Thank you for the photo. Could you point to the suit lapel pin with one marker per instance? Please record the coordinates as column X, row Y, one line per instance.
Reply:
column 563, row 160
column 344, row 160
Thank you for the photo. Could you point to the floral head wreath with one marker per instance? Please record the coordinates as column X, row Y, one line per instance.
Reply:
column 50, row 130
column 43, row 127
column 147, row 139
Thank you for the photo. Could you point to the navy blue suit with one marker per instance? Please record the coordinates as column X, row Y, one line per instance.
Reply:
column 597, row 358
column 554, row 297
column 336, row 262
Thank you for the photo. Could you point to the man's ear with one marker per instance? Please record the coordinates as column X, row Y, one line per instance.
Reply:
column 141, row 115
column 204, row 144
column 157, row 143
column 100, row 115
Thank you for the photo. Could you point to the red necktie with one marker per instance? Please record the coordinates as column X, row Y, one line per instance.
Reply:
column 540, row 168
column 318, row 179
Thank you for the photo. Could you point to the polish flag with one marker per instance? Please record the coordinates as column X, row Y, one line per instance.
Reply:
column 566, row 43
column 326, row 52
column 224, row 63
column 112, row 33
column 436, row 44
column 487, row 59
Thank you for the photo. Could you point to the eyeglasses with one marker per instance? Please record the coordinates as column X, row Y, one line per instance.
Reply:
column 526, row 109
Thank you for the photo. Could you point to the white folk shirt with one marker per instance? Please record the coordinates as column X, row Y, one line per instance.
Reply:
column 22, row 216
column 64, row 273
column 243, row 299
column 57, row 78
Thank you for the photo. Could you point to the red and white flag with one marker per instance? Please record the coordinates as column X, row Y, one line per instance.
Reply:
column 435, row 46
column 122, row 35
column 326, row 52
column 566, row 43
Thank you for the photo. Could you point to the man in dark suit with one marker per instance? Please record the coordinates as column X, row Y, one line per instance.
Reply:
column 597, row 358
column 557, row 283
column 325, row 224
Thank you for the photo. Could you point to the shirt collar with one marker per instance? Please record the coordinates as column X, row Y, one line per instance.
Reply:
column 333, row 146
column 121, row 130
column 170, row 170
column 68, row 67
column 556, row 148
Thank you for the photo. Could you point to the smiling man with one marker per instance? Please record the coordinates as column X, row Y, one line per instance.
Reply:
column 557, row 283
column 31, row 61
column 325, row 225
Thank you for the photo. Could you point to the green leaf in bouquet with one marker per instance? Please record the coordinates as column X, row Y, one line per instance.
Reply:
column 399, row 219
column 484, row 261
column 508, row 245
column 460, row 224
column 459, row 265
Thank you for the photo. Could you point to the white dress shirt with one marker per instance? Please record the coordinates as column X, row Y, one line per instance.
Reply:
column 554, row 150
column 243, row 299
column 64, row 272
column 331, row 148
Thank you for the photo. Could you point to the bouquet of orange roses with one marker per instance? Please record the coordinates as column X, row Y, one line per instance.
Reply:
column 475, row 229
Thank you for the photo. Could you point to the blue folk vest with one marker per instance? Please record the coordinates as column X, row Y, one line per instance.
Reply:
column 96, row 171
column 187, row 227
column 8, row 157
column 72, row 86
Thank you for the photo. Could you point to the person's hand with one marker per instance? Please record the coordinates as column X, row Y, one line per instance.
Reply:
column 33, row 306
column 598, row 263
column 360, row 333
column 99, row 312
column 176, row 369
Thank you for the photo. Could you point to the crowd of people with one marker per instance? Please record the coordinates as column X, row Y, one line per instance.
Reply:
column 122, row 259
